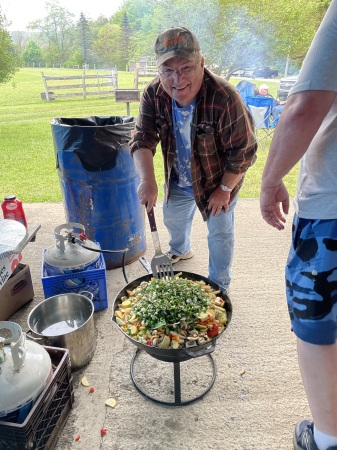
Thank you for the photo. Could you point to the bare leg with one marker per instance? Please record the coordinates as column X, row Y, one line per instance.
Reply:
column 318, row 365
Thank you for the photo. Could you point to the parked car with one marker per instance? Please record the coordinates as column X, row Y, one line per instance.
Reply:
column 265, row 72
column 285, row 85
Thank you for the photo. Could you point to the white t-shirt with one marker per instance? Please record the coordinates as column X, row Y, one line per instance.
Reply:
column 316, row 196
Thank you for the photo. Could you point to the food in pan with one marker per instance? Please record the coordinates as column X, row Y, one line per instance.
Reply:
column 172, row 313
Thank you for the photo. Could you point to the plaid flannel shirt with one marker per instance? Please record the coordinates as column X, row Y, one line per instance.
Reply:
column 222, row 134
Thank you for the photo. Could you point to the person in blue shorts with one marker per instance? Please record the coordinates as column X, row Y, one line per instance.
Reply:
column 307, row 131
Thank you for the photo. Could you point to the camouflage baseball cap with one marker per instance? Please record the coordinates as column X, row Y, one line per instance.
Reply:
column 176, row 41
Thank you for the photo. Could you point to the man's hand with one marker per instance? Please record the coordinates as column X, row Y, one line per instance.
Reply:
column 218, row 201
column 270, row 200
column 147, row 192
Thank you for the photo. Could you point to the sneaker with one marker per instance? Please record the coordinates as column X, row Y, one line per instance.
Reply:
column 304, row 435
column 175, row 258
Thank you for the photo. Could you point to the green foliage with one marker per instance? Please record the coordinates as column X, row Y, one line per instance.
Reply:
column 108, row 45
column 57, row 32
column 84, row 36
column 233, row 33
column 9, row 61
column 291, row 25
column 32, row 54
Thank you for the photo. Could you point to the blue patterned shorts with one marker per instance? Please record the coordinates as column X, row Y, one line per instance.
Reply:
column 311, row 280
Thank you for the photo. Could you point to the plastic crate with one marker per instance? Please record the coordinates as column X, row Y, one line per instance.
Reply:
column 44, row 423
column 92, row 280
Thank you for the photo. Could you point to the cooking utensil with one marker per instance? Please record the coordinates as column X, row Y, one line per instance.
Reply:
column 66, row 321
column 161, row 264
column 173, row 355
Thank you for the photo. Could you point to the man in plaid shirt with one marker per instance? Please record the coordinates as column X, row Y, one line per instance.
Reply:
column 207, row 141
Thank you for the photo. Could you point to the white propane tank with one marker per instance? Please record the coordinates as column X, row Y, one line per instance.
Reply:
column 25, row 370
column 69, row 255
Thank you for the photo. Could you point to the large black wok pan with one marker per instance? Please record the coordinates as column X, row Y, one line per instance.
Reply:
column 173, row 355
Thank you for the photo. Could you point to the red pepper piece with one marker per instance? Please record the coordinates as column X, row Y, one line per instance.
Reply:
column 214, row 331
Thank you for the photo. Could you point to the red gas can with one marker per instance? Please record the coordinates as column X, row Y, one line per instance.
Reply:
column 12, row 209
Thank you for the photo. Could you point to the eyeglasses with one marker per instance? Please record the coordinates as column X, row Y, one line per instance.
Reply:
column 186, row 72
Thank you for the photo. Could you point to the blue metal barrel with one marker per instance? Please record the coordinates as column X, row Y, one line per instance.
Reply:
column 99, row 183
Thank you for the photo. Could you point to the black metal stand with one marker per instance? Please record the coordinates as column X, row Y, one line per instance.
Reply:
column 177, row 383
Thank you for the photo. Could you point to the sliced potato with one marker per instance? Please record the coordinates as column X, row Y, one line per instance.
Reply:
column 203, row 316
column 112, row 402
column 119, row 314
column 211, row 314
column 126, row 304
column 85, row 382
column 133, row 319
column 120, row 321
column 165, row 342
column 133, row 330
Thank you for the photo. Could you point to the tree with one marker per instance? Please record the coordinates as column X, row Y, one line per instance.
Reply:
column 232, row 33
column 19, row 39
column 125, row 41
column 9, row 60
column 289, row 27
column 108, row 45
column 84, row 36
column 58, row 32
column 32, row 54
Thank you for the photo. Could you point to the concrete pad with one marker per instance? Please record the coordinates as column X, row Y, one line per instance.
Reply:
column 257, row 396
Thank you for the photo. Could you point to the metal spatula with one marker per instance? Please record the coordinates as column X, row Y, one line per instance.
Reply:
column 161, row 265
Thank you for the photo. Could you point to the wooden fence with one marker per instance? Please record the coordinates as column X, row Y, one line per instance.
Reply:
column 100, row 84
column 138, row 83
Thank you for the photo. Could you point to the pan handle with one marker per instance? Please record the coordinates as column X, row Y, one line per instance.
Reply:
column 202, row 352
column 152, row 220
column 145, row 263
column 33, row 338
column 87, row 294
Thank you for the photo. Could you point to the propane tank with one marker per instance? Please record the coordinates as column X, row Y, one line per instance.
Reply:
column 12, row 209
column 25, row 370
column 69, row 254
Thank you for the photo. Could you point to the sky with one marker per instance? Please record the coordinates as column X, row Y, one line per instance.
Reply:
column 21, row 12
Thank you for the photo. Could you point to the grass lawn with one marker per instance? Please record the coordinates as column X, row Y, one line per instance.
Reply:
column 26, row 143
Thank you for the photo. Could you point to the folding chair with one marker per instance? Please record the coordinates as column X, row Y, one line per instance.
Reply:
column 261, row 111
column 246, row 89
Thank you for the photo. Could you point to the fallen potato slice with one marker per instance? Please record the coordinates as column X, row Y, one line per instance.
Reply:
column 111, row 402
column 85, row 382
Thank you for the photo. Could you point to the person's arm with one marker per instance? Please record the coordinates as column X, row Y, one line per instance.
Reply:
column 147, row 190
column 143, row 145
column 299, row 123
column 219, row 200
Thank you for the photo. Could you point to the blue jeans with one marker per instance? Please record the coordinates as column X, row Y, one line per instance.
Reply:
column 178, row 216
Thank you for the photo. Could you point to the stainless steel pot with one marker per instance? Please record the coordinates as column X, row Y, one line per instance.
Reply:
column 172, row 355
column 66, row 321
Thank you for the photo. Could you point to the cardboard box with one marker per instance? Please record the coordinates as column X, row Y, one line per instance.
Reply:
column 17, row 291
